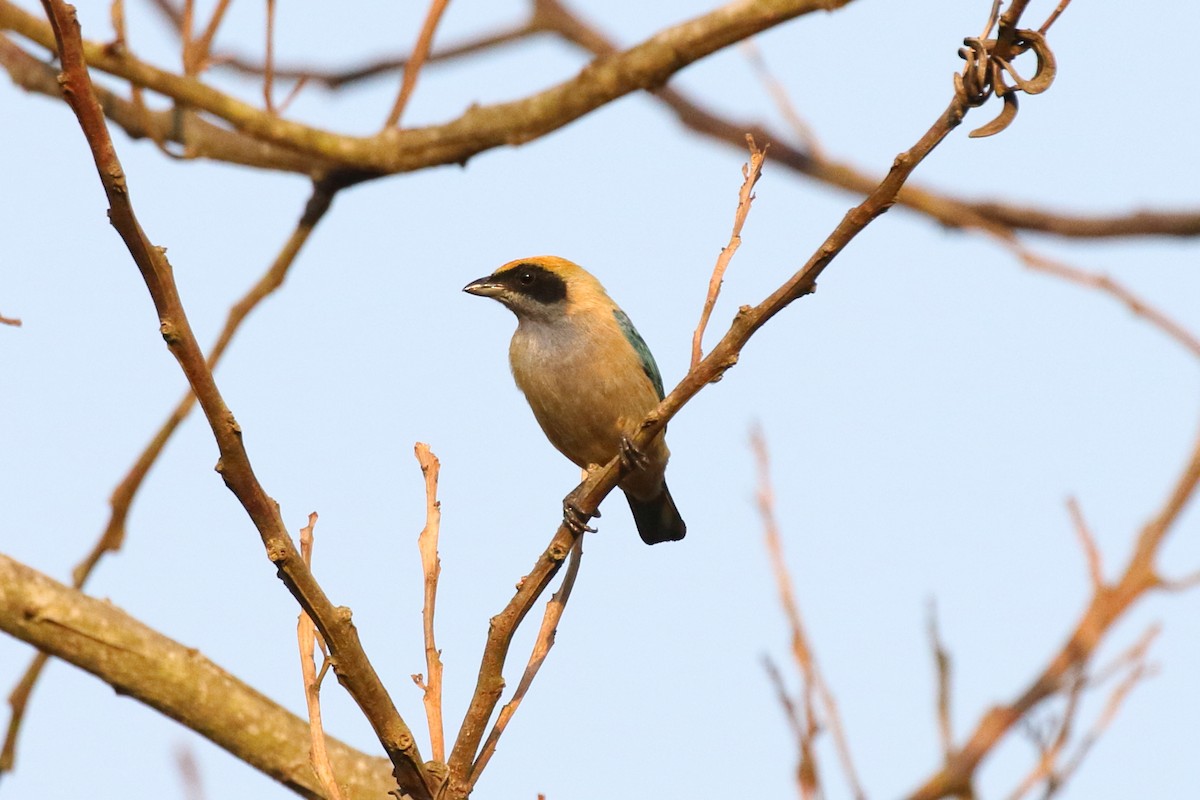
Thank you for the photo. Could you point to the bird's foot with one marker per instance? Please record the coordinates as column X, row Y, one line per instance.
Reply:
column 632, row 459
column 575, row 519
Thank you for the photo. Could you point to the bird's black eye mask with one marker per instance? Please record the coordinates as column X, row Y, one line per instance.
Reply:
column 535, row 282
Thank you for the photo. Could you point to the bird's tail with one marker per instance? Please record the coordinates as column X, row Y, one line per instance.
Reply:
column 657, row 519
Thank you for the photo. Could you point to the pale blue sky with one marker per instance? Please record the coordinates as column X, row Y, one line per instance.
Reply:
column 928, row 410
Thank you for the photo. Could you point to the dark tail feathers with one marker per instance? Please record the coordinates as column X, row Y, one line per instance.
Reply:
column 658, row 519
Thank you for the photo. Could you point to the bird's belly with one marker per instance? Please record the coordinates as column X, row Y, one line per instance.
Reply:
column 582, row 416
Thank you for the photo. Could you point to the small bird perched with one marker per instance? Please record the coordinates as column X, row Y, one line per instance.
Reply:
column 589, row 378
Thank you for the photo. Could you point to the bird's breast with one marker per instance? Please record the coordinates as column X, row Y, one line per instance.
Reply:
column 585, row 385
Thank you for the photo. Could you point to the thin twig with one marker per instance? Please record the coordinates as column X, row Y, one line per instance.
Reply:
column 805, row 134
column 269, row 61
column 541, row 648
column 196, row 56
column 942, row 662
column 1189, row 581
column 431, row 567
column 339, row 77
column 1138, row 670
column 1087, row 541
column 121, row 499
column 16, row 323
column 1054, row 15
column 1051, row 769
column 136, row 96
column 804, row 730
column 354, row 670
column 199, row 137
column 1045, row 769
column 187, row 22
column 417, row 60
column 1103, row 283
column 306, row 638
column 751, row 172
column 189, row 772
column 1105, row 608
column 802, row 650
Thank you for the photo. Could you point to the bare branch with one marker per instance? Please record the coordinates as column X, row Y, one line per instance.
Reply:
column 804, row 132
column 196, row 52
column 1189, row 581
column 189, row 769
column 802, row 652
column 946, row 210
column 1054, row 15
column 941, row 660
column 1090, row 550
column 643, row 66
column 201, row 139
column 113, row 536
column 541, row 648
column 1105, row 284
column 431, row 566
column 350, row 662
column 1135, row 661
column 269, row 62
column 1106, row 606
column 751, row 172
column 417, row 60
column 306, row 637
column 804, row 728
column 13, row 321
column 177, row 681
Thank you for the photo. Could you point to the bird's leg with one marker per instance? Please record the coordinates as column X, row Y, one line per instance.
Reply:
column 632, row 459
column 574, row 518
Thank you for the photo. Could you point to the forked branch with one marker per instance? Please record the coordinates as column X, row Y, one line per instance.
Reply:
column 353, row 669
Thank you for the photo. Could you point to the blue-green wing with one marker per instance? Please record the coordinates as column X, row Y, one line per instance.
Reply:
column 639, row 346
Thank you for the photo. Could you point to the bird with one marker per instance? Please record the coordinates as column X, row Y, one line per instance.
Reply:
column 589, row 378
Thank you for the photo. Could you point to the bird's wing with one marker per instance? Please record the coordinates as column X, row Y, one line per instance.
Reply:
column 643, row 352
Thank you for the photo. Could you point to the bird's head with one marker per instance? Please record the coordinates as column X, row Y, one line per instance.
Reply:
column 542, row 287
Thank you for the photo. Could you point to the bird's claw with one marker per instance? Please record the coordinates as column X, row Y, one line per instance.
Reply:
column 576, row 520
column 631, row 458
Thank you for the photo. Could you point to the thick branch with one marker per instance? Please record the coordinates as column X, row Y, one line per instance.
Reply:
column 200, row 138
column 645, row 66
column 99, row 638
